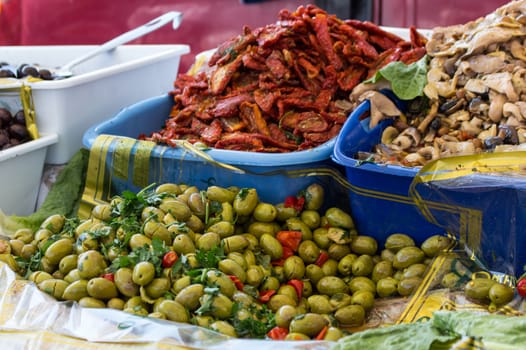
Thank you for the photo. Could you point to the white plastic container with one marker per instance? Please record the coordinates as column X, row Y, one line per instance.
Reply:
column 20, row 173
column 99, row 89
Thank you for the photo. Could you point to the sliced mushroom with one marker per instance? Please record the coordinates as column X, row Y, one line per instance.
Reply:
column 381, row 107
column 518, row 50
column 495, row 107
column 414, row 159
column 408, row 138
column 389, row 134
column 501, row 82
column 476, row 85
column 491, row 132
column 511, row 109
column 429, row 152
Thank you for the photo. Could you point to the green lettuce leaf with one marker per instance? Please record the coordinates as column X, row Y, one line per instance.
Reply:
column 407, row 81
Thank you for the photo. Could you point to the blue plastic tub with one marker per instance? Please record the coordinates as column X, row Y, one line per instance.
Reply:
column 129, row 164
column 379, row 194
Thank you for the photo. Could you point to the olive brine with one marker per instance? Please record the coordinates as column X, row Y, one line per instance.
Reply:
column 223, row 259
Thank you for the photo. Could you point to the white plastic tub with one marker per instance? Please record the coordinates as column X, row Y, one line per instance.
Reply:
column 20, row 173
column 99, row 89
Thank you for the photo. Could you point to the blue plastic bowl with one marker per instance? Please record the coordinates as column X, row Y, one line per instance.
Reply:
column 275, row 175
column 379, row 194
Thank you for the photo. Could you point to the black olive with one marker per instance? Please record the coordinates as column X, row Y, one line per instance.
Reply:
column 6, row 117
column 46, row 74
column 491, row 142
column 7, row 72
column 18, row 132
column 20, row 117
column 508, row 134
column 26, row 70
column 435, row 124
column 4, row 138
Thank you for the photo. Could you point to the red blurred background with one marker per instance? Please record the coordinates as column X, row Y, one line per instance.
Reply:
column 206, row 23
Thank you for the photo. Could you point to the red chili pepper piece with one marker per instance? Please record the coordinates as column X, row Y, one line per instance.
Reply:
column 321, row 259
column 237, row 282
column 294, row 202
column 322, row 333
column 298, row 286
column 521, row 287
column 278, row 333
column 169, row 259
column 109, row 276
column 290, row 239
column 265, row 295
column 287, row 253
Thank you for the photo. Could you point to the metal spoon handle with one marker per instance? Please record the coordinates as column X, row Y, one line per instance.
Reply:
column 129, row 36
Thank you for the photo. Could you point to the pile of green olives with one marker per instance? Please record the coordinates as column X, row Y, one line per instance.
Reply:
column 223, row 259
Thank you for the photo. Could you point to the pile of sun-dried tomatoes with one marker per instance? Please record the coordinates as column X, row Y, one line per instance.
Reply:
column 274, row 88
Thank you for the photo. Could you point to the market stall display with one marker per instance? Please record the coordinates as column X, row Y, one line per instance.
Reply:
column 234, row 221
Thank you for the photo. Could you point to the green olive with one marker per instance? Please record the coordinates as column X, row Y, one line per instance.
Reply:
column 478, row 288
column 269, row 283
column 220, row 194
column 41, row 237
column 235, row 243
column 170, row 188
column 39, row 276
column 285, row 213
column 320, row 304
column 321, row 238
column 224, row 327
column 195, row 224
column 230, row 267
column 101, row 288
column 139, row 240
column 314, row 273
column 196, row 204
column 339, row 300
column 351, row 315
column 314, row 195
column 406, row 286
column 258, row 228
column 90, row 302
column 90, row 264
column 239, row 258
column 28, row 250
column 115, row 303
column 294, row 267
column 174, row 311
column 500, row 294
column 407, row 256
column 5, row 247
column 333, row 334
column 311, row 218
column 54, row 223
column 338, row 251
column 278, row 300
column 102, row 212
column 345, row 264
column 381, row 270
column 189, row 296
column 143, row 273
column 284, row 315
column 289, row 290
column 295, row 224
column 183, row 244
column 157, row 287
column 76, row 290
column 386, row 287
column 16, row 246
column 363, row 265
column 450, row 280
column 397, row 241
column 208, row 241
column 271, row 246
column 202, row 321
column 225, row 284
column 309, row 324
column 433, row 245
column 364, row 245
column 265, row 212
column 26, row 235
column 124, row 282
column 245, row 201
column 415, row 270
column 338, row 218
column 181, row 283
column 54, row 287
column 68, row 263
column 222, row 228
column 387, row 255
column 340, row 235
column 58, row 249
column 330, row 285
column 330, row 267
column 153, row 229
column 362, row 283
column 249, row 255
column 179, row 209
column 221, row 305
column 72, row 275
column 308, row 251
column 364, row 298
column 151, row 213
